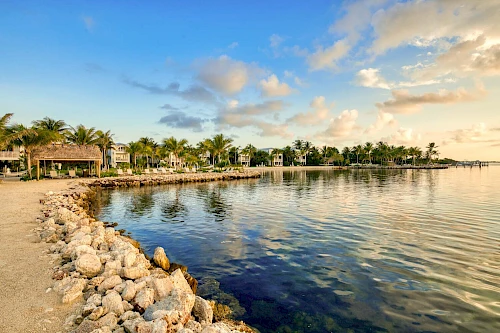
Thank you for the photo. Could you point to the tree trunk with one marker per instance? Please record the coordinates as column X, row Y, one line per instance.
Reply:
column 28, row 161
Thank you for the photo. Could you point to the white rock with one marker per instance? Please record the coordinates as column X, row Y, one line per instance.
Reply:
column 88, row 264
column 112, row 302
column 178, row 300
column 145, row 298
column 162, row 287
column 203, row 311
column 95, row 299
column 160, row 258
column 110, row 283
column 134, row 272
column 179, row 281
column 129, row 292
column 129, row 259
column 70, row 288
column 216, row 328
column 109, row 236
column 82, row 249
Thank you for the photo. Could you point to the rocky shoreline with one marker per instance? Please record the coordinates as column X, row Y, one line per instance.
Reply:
column 118, row 289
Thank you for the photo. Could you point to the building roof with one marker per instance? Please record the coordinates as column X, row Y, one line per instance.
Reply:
column 64, row 152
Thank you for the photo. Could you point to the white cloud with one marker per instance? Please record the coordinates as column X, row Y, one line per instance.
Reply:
column 405, row 103
column 477, row 133
column 318, row 115
column 226, row 75
column 340, row 126
column 328, row 58
column 383, row 119
column 371, row 78
column 275, row 40
column 233, row 45
column 403, row 136
column 272, row 87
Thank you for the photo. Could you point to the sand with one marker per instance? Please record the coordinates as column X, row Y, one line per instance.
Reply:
column 25, row 266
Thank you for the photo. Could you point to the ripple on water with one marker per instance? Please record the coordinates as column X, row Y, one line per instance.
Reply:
column 410, row 251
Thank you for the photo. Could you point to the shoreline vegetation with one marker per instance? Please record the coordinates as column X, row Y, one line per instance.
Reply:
column 217, row 152
column 116, row 286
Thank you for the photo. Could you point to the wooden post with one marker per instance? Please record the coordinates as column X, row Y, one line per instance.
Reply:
column 98, row 169
column 37, row 169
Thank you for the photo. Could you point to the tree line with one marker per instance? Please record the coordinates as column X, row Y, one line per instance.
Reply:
column 219, row 149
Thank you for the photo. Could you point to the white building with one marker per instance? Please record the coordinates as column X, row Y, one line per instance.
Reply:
column 243, row 159
column 301, row 159
column 205, row 157
column 10, row 155
column 118, row 154
column 277, row 158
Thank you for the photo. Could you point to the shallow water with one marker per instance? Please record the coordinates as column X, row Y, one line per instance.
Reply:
column 321, row 251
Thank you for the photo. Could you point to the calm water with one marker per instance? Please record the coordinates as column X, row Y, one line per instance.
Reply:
column 321, row 251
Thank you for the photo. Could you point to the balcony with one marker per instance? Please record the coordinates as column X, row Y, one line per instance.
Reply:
column 9, row 155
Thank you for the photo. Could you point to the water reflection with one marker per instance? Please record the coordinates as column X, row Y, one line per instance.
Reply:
column 395, row 250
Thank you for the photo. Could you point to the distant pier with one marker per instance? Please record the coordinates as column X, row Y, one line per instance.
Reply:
column 472, row 164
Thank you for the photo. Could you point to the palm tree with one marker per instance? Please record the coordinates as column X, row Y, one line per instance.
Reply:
column 346, row 153
column 368, row 149
column 234, row 152
column 81, row 135
column 135, row 149
column 29, row 139
column 220, row 145
column 431, row 151
column 49, row 124
column 357, row 150
column 175, row 147
column 104, row 141
column 250, row 151
column 414, row 152
column 288, row 154
column 7, row 136
column 274, row 152
column 149, row 146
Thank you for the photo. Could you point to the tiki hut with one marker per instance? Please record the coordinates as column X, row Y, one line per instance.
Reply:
column 67, row 153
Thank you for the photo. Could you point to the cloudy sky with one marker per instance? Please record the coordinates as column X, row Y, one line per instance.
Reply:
column 262, row 72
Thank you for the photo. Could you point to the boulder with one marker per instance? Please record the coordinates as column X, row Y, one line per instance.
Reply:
column 134, row 272
column 144, row 298
column 70, row 288
column 88, row 264
column 112, row 302
column 110, row 283
column 129, row 292
column 162, row 287
column 87, row 326
column 96, row 314
column 109, row 320
column 129, row 259
column 132, row 325
column 82, row 249
column 178, row 300
column 179, row 281
column 160, row 258
column 202, row 311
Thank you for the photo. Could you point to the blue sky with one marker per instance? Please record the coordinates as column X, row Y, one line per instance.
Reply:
column 262, row 72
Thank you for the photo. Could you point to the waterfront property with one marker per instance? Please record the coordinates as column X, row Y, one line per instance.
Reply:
column 276, row 160
column 243, row 159
column 117, row 155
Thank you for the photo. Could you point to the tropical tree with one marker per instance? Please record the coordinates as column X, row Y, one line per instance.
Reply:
column 346, row 153
column 233, row 152
column 135, row 149
column 104, row 141
column 176, row 147
column 357, row 151
column 81, row 135
column 250, row 151
column 288, row 155
column 431, row 151
column 414, row 152
column 368, row 150
column 220, row 145
column 7, row 135
column 58, row 127
column 30, row 139
column 274, row 152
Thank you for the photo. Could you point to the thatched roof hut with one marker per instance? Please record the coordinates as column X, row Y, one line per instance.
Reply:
column 64, row 152
column 67, row 153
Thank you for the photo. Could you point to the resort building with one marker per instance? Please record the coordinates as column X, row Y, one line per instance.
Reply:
column 243, row 159
column 118, row 154
column 205, row 157
column 173, row 161
column 301, row 158
column 277, row 159
column 10, row 155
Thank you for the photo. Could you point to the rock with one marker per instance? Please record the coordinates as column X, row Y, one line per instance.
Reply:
column 109, row 236
column 108, row 320
column 129, row 240
column 203, row 311
column 129, row 315
column 132, row 325
column 178, row 300
column 162, row 287
column 160, row 258
column 112, row 302
column 88, row 309
column 87, row 326
column 96, row 314
column 70, row 288
column 95, row 299
column 119, row 288
column 144, row 298
column 129, row 259
column 185, row 330
column 179, row 281
column 104, row 329
column 88, row 264
column 220, row 311
column 160, row 326
column 82, row 249
column 112, row 267
column 110, row 283
column 127, row 306
column 134, row 272
column 193, row 325
column 216, row 328
column 129, row 292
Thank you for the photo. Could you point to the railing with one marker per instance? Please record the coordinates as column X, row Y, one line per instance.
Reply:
column 11, row 155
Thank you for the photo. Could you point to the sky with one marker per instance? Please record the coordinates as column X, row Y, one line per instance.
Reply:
column 337, row 73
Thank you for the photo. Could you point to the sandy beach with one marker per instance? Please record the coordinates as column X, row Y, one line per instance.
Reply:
column 25, row 268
